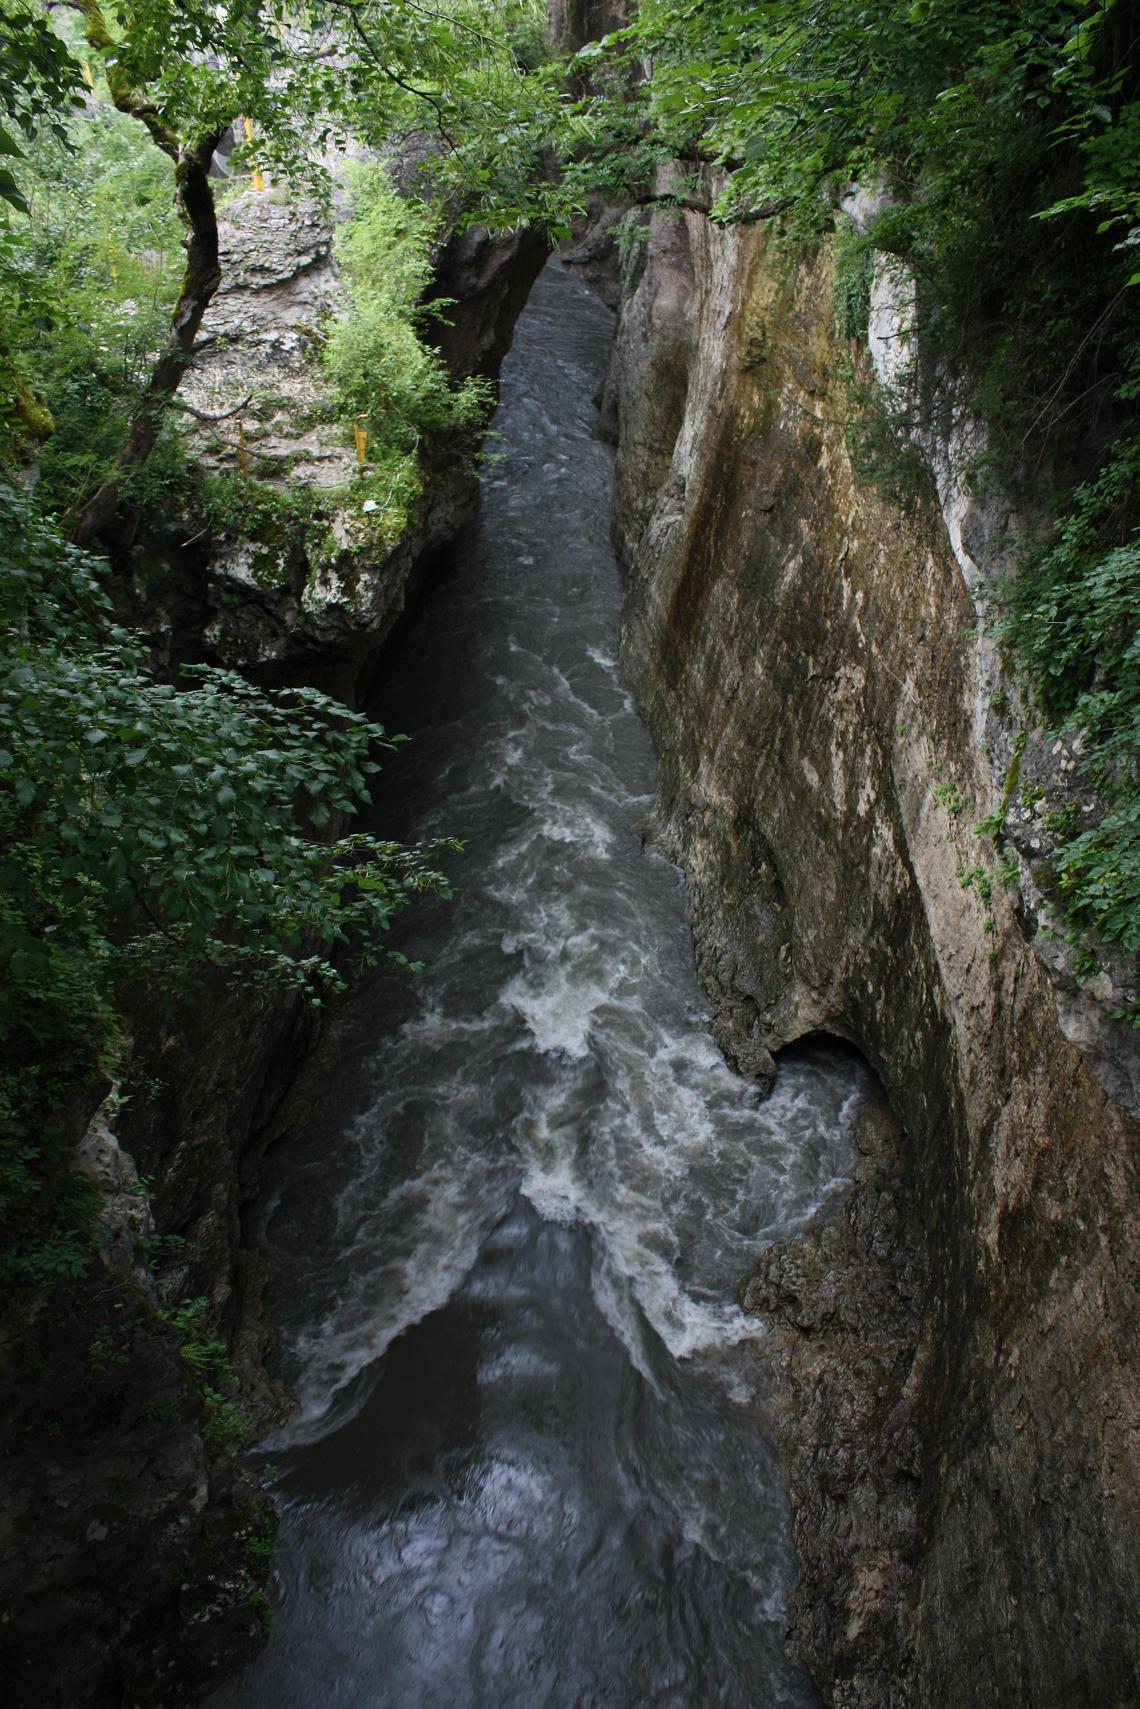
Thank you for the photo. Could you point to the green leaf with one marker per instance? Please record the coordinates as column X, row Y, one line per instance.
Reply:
column 11, row 193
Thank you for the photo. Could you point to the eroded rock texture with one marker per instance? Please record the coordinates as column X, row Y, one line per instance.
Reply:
column 954, row 1360
column 844, row 1341
column 314, row 605
column 572, row 23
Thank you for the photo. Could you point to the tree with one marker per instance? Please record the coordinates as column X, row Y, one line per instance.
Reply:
column 299, row 76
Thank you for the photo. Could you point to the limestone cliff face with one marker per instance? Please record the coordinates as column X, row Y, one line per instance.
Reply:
column 954, row 1359
column 310, row 605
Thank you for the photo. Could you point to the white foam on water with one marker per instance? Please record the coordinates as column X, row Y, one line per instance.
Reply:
column 611, row 1295
column 367, row 1318
column 558, row 1006
column 561, row 1048
column 616, row 1110
column 402, row 1245
column 631, row 1127
column 626, row 1207
column 553, row 1192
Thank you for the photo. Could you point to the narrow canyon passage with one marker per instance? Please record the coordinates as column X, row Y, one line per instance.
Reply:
column 528, row 1467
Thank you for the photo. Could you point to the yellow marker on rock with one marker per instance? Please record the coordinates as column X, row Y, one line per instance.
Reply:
column 258, row 180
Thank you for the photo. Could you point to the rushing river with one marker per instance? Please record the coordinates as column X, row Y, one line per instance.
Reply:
column 527, row 1470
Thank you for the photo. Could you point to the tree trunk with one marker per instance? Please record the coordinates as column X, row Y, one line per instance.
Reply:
column 199, row 282
column 195, row 200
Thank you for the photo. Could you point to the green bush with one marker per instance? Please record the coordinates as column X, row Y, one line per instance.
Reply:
column 851, row 289
column 208, row 1366
column 385, row 377
column 87, row 285
column 147, row 832
column 1072, row 618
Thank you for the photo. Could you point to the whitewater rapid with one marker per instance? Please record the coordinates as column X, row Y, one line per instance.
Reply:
column 527, row 1465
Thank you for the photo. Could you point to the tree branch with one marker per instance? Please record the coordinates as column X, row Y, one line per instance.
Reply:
column 690, row 204
column 386, row 70
column 127, row 100
column 200, row 414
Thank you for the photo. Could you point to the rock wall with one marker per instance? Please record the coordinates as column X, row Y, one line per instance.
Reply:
column 573, row 23
column 257, row 398
column 954, row 1358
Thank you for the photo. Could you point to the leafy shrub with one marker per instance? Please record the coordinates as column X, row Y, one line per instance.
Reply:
column 208, row 1366
column 851, row 290
column 148, row 831
column 1072, row 616
column 86, row 290
column 396, row 386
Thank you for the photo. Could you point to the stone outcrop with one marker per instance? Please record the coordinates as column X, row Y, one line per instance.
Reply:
column 954, row 1360
column 311, row 604
column 844, row 1345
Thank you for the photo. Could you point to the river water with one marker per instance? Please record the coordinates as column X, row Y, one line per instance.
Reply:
column 527, row 1470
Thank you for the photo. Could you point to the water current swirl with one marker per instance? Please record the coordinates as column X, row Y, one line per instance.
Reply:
column 527, row 1468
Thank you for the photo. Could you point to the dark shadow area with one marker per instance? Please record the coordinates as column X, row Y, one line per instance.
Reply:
column 811, row 1046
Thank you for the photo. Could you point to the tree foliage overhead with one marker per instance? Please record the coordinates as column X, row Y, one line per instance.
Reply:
column 476, row 73
column 470, row 79
column 39, row 81
column 790, row 93
column 1004, row 142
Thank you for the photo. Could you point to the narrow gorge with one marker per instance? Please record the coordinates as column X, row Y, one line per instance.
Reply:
column 700, row 1264
column 505, row 1243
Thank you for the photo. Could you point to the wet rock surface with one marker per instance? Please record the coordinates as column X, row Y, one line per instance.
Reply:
column 842, row 1306
column 806, row 659
column 132, row 1542
column 128, row 1562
